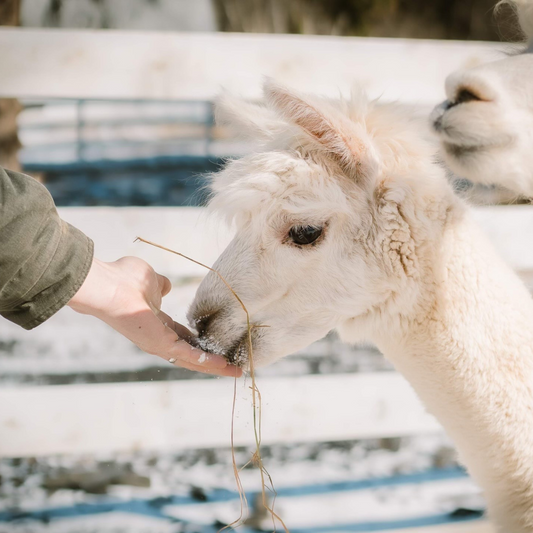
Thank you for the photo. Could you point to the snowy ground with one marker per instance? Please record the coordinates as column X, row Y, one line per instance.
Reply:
column 319, row 485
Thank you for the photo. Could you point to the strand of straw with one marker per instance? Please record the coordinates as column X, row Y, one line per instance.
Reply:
column 256, row 407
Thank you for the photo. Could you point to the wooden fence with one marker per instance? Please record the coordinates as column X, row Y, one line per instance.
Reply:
column 37, row 64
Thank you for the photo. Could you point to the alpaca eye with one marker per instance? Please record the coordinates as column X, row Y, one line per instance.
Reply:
column 304, row 234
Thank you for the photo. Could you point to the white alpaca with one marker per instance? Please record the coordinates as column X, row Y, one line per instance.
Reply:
column 343, row 221
column 486, row 124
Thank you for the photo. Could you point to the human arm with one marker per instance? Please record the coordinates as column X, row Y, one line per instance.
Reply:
column 46, row 264
column 43, row 260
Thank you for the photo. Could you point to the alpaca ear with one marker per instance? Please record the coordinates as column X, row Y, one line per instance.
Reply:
column 524, row 12
column 247, row 119
column 330, row 130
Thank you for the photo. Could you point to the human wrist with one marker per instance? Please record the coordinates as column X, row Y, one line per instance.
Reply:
column 96, row 292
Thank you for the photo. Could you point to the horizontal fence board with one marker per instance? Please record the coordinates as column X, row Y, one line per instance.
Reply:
column 194, row 232
column 38, row 63
column 510, row 229
column 38, row 421
column 189, row 230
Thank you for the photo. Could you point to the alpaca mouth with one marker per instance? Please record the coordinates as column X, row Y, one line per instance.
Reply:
column 456, row 140
column 464, row 151
column 452, row 137
column 458, row 151
column 437, row 124
column 208, row 344
column 237, row 354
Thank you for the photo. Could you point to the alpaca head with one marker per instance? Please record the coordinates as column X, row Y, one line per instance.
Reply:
column 486, row 124
column 327, row 212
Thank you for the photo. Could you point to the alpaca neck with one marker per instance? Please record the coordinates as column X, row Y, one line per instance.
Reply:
column 469, row 356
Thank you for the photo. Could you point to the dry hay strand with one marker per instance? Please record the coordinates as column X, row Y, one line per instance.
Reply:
column 256, row 459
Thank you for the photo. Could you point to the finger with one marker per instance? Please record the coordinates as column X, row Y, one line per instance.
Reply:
column 229, row 371
column 181, row 330
column 164, row 284
column 180, row 349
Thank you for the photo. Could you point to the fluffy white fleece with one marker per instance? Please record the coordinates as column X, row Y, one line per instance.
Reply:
column 399, row 262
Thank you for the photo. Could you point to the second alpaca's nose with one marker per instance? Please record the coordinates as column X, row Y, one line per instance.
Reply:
column 463, row 96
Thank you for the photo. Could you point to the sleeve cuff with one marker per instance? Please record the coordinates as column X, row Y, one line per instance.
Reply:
column 62, row 280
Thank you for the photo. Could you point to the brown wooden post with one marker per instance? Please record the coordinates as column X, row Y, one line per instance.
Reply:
column 9, row 107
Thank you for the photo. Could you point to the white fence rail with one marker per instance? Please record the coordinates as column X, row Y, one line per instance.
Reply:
column 126, row 65
column 196, row 414
column 192, row 231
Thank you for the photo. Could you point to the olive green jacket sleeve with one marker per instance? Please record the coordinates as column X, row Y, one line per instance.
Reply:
column 43, row 260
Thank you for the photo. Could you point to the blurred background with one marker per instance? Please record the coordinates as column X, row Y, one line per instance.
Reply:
column 453, row 19
column 128, row 155
column 150, row 153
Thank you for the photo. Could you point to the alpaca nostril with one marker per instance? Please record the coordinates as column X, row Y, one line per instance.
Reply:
column 202, row 322
column 201, row 325
column 463, row 96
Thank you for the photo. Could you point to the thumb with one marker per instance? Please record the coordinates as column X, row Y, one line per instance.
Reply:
column 164, row 284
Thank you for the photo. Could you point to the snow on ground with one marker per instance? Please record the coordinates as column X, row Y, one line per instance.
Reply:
column 317, row 485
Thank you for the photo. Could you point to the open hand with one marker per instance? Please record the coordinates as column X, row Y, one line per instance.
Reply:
column 127, row 295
